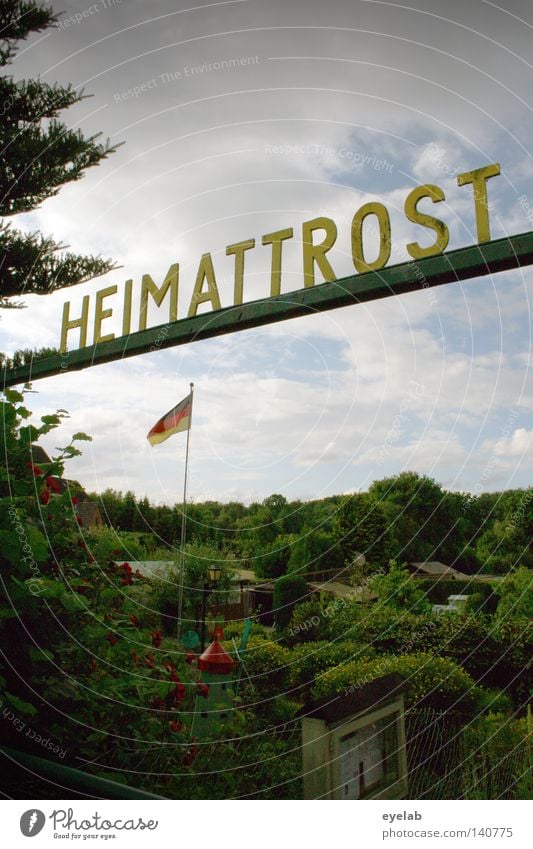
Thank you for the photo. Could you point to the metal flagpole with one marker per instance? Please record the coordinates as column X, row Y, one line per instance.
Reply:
column 184, row 523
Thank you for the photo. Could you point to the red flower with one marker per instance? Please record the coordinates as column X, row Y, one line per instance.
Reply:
column 53, row 484
column 203, row 690
column 150, row 662
column 176, row 725
column 35, row 469
column 45, row 496
column 79, row 520
column 133, row 619
column 179, row 693
column 190, row 657
column 116, row 551
column 189, row 756
column 111, row 638
column 90, row 559
column 127, row 580
column 157, row 639
column 75, row 499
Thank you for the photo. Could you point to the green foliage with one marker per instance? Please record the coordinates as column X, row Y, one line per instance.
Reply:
column 277, row 536
column 235, row 629
column 483, row 598
column 419, row 514
column 74, row 640
column 288, row 591
column 267, row 664
column 361, row 527
column 164, row 592
column 516, row 595
column 40, row 154
column 397, row 590
column 315, row 550
column 273, row 560
column 497, row 759
column 435, row 682
column 309, row 660
column 308, row 620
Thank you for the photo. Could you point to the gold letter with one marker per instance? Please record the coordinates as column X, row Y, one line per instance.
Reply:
column 158, row 294
column 67, row 325
column 317, row 253
column 411, row 202
column 276, row 239
column 479, row 178
column 358, row 257
column 205, row 272
column 126, row 314
column 238, row 249
column 100, row 314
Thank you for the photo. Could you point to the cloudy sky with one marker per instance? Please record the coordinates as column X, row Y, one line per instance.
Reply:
column 328, row 106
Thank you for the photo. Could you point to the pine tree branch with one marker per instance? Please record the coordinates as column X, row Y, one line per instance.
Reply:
column 32, row 264
column 37, row 162
column 17, row 20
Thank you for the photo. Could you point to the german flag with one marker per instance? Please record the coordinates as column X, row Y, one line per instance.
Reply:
column 176, row 420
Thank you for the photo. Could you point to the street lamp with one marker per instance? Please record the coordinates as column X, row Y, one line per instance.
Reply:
column 214, row 572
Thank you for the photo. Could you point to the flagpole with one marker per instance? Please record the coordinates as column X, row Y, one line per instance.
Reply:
column 184, row 523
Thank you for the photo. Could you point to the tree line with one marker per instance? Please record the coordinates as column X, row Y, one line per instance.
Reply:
column 407, row 517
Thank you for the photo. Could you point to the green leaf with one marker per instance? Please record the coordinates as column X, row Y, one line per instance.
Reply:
column 72, row 603
column 22, row 707
column 70, row 451
column 10, row 546
column 51, row 420
column 28, row 434
column 39, row 655
column 13, row 396
column 83, row 437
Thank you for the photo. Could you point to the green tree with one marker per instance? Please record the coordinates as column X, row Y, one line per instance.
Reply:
column 315, row 550
column 273, row 560
column 516, row 595
column 397, row 589
column 288, row 591
column 361, row 527
column 39, row 155
column 419, row 515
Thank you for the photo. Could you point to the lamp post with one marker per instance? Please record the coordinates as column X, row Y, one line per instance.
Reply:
column 214, row 572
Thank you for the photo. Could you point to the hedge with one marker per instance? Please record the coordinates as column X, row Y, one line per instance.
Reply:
column 435, row 682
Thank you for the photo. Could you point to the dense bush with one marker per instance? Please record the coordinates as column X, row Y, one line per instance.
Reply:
column 483, row 596
column 497, row 759
column 266, row 665
column 435, row 682
column 288, row 591
column 397, row 590
column 309, row 660
column 78, row 656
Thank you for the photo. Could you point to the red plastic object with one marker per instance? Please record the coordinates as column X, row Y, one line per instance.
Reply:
column 215, row 659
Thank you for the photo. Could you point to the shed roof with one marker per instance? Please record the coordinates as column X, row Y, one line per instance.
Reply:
column 434, row 567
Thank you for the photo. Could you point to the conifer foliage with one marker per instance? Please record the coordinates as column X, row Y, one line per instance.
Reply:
column 39, row 155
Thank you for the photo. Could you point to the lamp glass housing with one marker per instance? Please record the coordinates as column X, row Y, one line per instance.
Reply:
column 214, row 573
